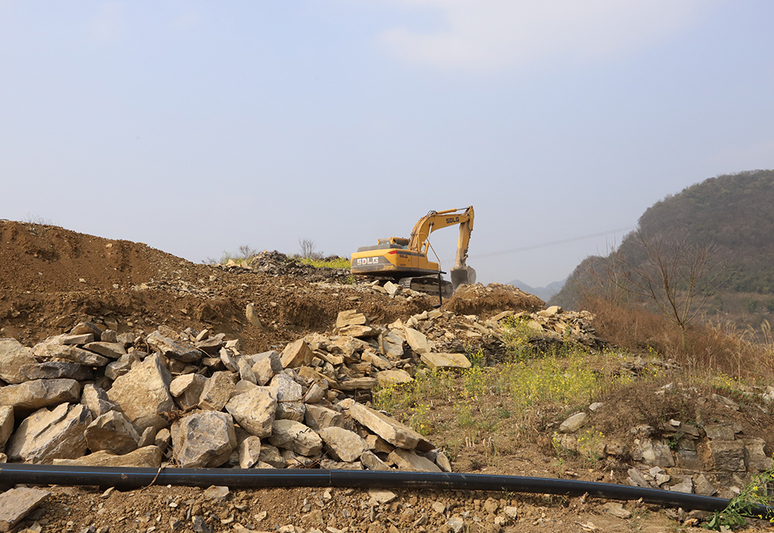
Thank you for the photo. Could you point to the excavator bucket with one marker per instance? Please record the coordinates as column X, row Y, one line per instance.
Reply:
column 462, row 275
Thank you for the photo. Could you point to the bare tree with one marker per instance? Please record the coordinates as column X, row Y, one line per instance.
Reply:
column 677, row 276
column 246, row 252
column 307, row 248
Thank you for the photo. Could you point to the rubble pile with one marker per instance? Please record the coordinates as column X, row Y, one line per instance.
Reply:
column 93, row 397
column 278, row 264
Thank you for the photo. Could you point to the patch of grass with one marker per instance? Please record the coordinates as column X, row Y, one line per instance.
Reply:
column 330, row 262
column 520, row 395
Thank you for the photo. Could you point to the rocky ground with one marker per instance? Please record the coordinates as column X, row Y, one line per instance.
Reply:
column 128, row 355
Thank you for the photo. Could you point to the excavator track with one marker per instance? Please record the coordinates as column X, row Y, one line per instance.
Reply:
column 428, row 285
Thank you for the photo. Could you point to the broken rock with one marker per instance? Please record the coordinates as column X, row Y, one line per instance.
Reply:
column 191, row 450
column 295, row 436
column 408, row 460
column 344, row 445
column 47, row 435
column 254, row 410
column 143, row 393
column 389, row 429
column 145, row 457
column 445, row 360
column 174, row 349
column 296, row 354
column 33, row 395
column 17, row 503
column 112, row 432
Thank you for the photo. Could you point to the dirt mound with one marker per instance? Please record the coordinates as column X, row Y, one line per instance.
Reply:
column 41, row 258
column 51, row 278
column 491, row 299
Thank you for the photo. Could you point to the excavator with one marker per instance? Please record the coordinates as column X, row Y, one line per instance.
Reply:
column 405, row 260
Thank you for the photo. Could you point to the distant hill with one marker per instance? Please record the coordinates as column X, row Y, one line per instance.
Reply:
column 544, row 293
column 734, row 212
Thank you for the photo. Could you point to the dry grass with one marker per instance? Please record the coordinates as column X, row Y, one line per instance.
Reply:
column 700, row 349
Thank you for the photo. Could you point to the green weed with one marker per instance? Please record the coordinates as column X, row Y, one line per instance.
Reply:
column 755, row 493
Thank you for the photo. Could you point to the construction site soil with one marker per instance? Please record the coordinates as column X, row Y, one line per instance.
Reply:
column 52, row 278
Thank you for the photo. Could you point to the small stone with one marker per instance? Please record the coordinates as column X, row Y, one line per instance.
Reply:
column 438, row 507
column 573, row 423
column 617, row 510
column 382, row 496
column 445, row 360
column 214, row 492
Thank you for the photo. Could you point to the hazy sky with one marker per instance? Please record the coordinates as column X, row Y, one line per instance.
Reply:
column 197, row 127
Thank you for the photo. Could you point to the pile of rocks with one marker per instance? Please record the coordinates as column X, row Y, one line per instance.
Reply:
column 136, row 399
column 278, row 264
column 710, row 459
column 199, row 401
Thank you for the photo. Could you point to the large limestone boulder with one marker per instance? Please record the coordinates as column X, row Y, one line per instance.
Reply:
column 13, row 357
column 143, row 393
column 295, row 436
column 254, row 410
column 47, row 435
column 389, row 429
column 203, row 440
column 146, row 457
column 32, row 395
column 343, row 444
column 112, row 432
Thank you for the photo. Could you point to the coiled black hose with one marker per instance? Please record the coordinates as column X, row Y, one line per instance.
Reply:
column 133, row 478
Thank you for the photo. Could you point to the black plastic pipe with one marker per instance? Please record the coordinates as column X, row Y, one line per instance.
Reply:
column 134, row 478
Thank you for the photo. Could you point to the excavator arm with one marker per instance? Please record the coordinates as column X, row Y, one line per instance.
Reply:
column 436, row 220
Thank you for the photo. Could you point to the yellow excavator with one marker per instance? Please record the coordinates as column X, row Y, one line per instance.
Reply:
column 405, row 260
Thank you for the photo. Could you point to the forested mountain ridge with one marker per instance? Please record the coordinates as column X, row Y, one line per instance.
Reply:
column 733, row 214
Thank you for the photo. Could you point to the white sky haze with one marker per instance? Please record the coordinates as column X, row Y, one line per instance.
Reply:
column 197, row 127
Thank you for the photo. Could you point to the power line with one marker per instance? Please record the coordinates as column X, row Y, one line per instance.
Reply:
column 552, row 243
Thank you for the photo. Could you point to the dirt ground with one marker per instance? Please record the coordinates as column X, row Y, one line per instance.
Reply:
column 52, row 278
